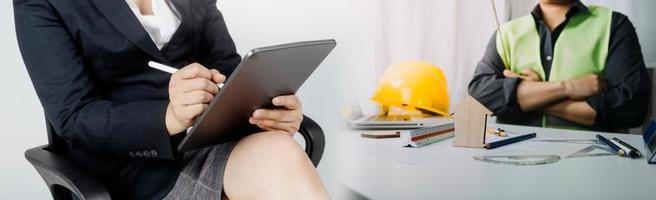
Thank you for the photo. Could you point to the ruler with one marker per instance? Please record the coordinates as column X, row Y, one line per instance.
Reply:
column 585, row 152
column 519, row 160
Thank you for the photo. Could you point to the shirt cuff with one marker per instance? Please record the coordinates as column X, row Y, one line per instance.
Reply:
column 598, row 104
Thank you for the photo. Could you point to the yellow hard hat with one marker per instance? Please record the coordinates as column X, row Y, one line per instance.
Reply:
column 413, row 85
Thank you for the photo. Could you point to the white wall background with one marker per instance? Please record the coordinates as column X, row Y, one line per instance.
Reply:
column 21, row 118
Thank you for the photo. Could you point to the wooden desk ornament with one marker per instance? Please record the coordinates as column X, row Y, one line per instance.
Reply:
column 471, row 122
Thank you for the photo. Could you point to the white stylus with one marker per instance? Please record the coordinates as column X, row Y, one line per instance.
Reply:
column 168, row 69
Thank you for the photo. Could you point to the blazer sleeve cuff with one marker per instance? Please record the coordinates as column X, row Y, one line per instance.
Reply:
column 165, row 143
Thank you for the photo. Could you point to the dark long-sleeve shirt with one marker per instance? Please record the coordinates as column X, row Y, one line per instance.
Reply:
column 623, row 105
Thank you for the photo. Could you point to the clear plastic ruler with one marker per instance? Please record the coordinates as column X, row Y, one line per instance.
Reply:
column 586, row 152
column 519, row 160
column 527, row 160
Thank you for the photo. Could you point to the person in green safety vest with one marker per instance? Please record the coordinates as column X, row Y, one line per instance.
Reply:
column 566, row 65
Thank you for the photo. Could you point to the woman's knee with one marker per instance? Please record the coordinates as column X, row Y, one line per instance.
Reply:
column 266, row 153
column 262, row 161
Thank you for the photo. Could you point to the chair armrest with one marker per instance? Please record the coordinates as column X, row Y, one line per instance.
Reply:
column 58, row 171
column 314, row 139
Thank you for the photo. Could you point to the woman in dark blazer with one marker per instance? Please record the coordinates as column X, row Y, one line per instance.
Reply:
column 121, row 120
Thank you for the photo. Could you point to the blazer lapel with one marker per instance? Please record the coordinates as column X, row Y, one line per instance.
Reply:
column 120, row 15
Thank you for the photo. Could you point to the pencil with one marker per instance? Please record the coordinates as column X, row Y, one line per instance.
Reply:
column 508, row 141
column 633, row 152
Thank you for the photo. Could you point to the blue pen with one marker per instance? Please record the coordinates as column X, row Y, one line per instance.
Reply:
column 605, row 140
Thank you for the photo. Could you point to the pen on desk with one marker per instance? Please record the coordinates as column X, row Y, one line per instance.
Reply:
column 508, row 141
column 627, row 151
column 633, row 152
column 168, row 69
column 616, row 148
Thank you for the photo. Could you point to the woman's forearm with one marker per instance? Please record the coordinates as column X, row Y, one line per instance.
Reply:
column 536, row 95
column 576, row 111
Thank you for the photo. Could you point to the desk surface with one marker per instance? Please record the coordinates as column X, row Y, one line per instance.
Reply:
column 381, row 169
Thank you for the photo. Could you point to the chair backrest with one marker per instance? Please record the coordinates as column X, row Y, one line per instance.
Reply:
column 651, row 110
column 56, row 144
column 652, row 75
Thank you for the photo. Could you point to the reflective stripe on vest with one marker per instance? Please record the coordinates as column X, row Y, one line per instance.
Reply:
column 581, row 49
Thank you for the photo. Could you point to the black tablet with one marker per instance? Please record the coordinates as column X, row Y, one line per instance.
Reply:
column 263, row 74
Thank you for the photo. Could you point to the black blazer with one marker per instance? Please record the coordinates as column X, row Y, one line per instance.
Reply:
column 88, row 62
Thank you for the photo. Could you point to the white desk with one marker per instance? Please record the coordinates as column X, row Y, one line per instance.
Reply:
column 451, row 173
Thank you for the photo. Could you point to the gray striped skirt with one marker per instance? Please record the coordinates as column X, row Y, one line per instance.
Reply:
column 202, row 176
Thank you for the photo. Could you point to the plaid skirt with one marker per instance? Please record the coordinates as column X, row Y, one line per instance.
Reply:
column 202, row 176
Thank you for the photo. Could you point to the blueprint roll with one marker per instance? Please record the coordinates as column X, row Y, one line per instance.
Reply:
column 650, row 142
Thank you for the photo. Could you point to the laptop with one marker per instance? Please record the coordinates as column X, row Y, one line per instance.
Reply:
column 357, row 120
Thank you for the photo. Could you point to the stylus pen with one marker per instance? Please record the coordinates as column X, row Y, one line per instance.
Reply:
column 633, row 152
column 615, row 148
column 168, row 69
column 508, row 141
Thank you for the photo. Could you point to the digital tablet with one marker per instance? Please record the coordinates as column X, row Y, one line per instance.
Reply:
column 263, row 74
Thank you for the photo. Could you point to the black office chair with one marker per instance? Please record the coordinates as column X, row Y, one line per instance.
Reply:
column 651, row 109
column 66, row 181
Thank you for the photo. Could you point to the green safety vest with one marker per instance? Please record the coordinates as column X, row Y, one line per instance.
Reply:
column 581, row 49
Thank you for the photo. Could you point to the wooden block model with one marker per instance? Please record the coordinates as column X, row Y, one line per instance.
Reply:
column 471, row 122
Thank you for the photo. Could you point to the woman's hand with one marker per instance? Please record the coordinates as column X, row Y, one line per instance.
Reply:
column 286, row 120
column 191, row 89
